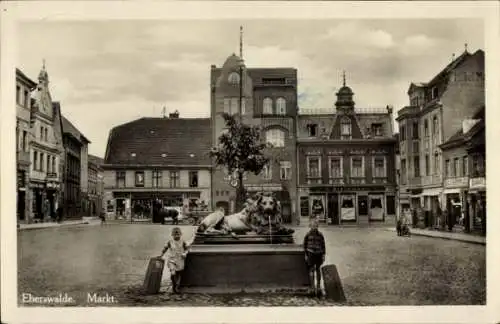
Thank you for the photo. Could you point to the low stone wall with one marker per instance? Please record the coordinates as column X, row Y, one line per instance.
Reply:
column 245, row 268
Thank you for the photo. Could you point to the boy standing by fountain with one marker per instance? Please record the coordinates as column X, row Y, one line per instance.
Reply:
column 314, row 251
column 177, row 251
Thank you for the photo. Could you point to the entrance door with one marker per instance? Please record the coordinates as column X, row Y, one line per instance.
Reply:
column 363, row 205
column 333, row 208
column 21, row 204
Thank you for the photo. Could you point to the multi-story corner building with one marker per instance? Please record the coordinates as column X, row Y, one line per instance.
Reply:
column 95, row 181
column 436, row 111
column 269, row 99
column 24, row 87
column 346, row 163
column 75, row 147
column 464, row 174
column 46, row 148
column 157, row 159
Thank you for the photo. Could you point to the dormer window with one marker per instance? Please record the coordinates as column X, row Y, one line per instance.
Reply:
column 312, row 129
column 346, row 129
column 376, row 129
column 434, row 93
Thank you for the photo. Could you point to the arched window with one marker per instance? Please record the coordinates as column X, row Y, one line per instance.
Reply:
column 346, row 129
column 268, row 106
column 276, row 137
column 281, row 106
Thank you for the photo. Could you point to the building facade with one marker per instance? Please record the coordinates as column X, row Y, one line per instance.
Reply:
column 75, row 148
column 46, row 148
column 269, row 99
column 24, row 87
column 157, row 160
column 464, row 184
column 436, row 111
column 346, row 163
column 95, row 183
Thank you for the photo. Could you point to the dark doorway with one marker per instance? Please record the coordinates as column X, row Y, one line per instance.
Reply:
column 21, row 204
column 363, row 205
column 333, row 208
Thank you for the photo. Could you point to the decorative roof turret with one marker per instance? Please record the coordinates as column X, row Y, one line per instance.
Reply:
column 344, row 102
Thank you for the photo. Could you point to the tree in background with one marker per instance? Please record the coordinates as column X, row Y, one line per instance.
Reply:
column 240, row 149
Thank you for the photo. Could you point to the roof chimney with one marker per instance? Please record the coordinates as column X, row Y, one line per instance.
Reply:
column 174, row 115
column 453, row 57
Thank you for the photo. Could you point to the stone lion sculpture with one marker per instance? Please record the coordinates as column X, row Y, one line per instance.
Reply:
column 261, row 215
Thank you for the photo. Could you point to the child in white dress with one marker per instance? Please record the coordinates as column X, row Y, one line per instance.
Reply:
column 177, row 251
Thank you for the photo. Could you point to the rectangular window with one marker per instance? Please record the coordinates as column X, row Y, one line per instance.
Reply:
column 227, row 105
column 379, row 167
column 416, row 147
column 42, row 161
column 403, row 133
column 139, row 178
column 313, row 167
column 436, row 164
column 403, row 171
column 49, row 165
column 416, row 166
column 193, row 179
column 426, row 127
column 427, row 166
column 456, row 167
column 447, row 170
column 18, row 94
column 465, row 168
column 304, row 206
column 346, row 130
column 35, row 160
column 435, row 93
column 336, row 167
column 357, row 167
column 415, row 130
column 174, row 179
column 243, row 105
column 120, row 179
column 25, row 140
column 235, row 109
column 285, row 170
column 54, row 165
column 26, row 99
column 156, row 178
column 41, row 132
column 435, row 126
column 267, row 172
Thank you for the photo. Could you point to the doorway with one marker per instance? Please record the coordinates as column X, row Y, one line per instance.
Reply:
column 363, row 205
column 21, row 204
column 333, row 209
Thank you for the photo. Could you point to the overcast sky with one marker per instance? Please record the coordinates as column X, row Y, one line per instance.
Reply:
column 108, row 73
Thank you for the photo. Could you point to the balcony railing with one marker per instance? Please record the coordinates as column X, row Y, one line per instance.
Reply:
column 314, row 180
column 336, row 181
column 477, row 182
column 358, row 181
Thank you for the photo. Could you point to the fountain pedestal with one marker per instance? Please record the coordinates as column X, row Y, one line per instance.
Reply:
column 233, row 268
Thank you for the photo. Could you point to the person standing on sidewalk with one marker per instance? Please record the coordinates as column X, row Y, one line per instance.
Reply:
column 314, row 253
column 46, row 210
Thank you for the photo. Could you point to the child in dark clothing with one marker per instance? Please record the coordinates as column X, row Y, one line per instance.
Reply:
column 314, row 251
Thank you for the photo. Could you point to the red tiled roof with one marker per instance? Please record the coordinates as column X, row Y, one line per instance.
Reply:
column 161, row 141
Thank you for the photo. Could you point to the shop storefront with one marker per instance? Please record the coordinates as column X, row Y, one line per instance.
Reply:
column 477, row 204
column 344, row 205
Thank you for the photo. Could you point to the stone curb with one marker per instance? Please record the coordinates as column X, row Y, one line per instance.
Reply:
column 52, row 225
column 445, row 237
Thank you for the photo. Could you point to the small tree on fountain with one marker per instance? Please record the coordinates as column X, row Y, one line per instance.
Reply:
column 240, row 150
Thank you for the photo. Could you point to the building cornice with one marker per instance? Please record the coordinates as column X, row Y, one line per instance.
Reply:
column 107, row 166
column 363, row 141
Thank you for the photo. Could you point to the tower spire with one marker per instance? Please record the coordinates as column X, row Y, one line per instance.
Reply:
column 241, row 42
column 343, row 78
column 465, row 45
column 43, row 64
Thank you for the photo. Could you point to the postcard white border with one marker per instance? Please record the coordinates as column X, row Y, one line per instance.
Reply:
column 90, row 10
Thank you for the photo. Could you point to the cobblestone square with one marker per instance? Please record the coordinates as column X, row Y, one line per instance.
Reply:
column 376, row 267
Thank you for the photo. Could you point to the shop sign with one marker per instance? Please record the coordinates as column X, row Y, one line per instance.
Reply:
column 264, row 187
column 456, row 182
column 347, row 189
column 477, row 183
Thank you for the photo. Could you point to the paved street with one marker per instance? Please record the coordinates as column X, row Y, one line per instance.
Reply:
column 376, row 267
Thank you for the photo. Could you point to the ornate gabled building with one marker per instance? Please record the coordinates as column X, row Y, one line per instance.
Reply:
column 46, row 149
column 346, row 163
column 269, row 99
column 436, row 112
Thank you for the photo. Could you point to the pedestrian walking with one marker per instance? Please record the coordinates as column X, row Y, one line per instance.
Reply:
column 314, row 253
column 46, row 210
column 176, row 249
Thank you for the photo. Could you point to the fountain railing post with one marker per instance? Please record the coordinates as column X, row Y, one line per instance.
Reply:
column 270, row 230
